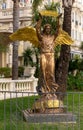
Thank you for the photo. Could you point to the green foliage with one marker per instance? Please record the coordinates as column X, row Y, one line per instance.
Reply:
column 75, row 82
column 46, row 19
column 28, row 60
column 5, row 71
column 81, row 47
column 36, row 52
column 20, row 71
column 81, row 65
column 73, row 65
column 57, row 51
column 50, row 20
column 3, row 48
column 53, row 6
column 76, row 64
column 4, row 41
column 35, row 4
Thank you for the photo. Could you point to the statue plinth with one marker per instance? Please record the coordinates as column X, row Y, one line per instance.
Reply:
column 47, row 104
column 49, row 110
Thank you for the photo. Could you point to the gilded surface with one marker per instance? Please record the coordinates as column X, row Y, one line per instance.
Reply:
column 47, row 104
column 47, row 78
column 47, row 43
column 47, row 83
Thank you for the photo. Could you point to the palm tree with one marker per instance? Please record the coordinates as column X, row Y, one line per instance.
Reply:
column 27, row 55
column 15, row 44
column 62, row 71
column 28, row 58
column 36, row 52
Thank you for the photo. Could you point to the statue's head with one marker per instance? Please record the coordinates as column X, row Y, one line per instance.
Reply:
column 47, row 29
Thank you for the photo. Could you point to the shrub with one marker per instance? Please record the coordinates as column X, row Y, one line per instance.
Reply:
column 5, row 71
column 20, row 71
column 75, row 82
column 76, row 64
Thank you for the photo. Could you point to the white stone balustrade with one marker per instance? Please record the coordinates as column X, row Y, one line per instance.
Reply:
column 22, row 85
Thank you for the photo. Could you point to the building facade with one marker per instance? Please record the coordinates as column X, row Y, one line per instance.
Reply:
column 6, row 24
column 77, row 28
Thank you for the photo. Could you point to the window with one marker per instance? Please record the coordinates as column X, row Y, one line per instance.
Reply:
column 79, row 20
column 22, row 1
column 81, row 36
column 72, row 33
column 31, row 1
column 76, row 34
column 76, row 17
column 3, row 5
column 72, row 16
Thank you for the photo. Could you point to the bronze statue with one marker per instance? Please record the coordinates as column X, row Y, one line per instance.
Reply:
column 47, row 83
column 47, row 87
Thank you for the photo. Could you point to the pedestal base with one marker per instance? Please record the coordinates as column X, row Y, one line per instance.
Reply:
column 48, row 109
column 47, row 104
column 50, row 118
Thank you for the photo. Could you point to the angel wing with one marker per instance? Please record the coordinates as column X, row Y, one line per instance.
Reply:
column 25, row 34
column 29, row 34
column 63, row 38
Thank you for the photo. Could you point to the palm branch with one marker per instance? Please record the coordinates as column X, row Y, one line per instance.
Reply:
column 28, row 60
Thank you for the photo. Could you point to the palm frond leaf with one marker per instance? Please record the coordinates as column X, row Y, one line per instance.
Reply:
column 53, row 6
column 35, row 4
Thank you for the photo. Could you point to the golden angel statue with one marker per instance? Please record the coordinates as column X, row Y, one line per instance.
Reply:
column 46, row 42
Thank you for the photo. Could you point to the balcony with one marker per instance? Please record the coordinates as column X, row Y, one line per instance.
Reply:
column 7, row 14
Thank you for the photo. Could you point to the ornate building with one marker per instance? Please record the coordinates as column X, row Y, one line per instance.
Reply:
column 77, row 28
column 6, row 24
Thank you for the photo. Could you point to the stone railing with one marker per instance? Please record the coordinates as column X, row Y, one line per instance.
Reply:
column 22, row 85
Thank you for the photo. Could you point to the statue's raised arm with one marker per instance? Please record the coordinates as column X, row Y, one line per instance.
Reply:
column 57, row 27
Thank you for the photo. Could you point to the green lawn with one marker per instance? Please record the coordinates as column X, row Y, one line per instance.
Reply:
column 11, row 117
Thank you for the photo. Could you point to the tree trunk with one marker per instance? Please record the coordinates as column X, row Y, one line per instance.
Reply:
column 62, row 70
column 15, row 44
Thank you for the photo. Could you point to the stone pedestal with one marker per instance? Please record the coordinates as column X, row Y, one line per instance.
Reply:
column 50, row 118
column 48, row 109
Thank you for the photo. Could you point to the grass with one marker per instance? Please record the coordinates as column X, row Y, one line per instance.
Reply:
column 11, row 117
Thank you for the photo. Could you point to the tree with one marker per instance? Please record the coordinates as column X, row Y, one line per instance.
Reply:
column 36, row 51
column 62, row 71
column 28, row 58
column 27, row 55
column 4, row 41
column 15, row 44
